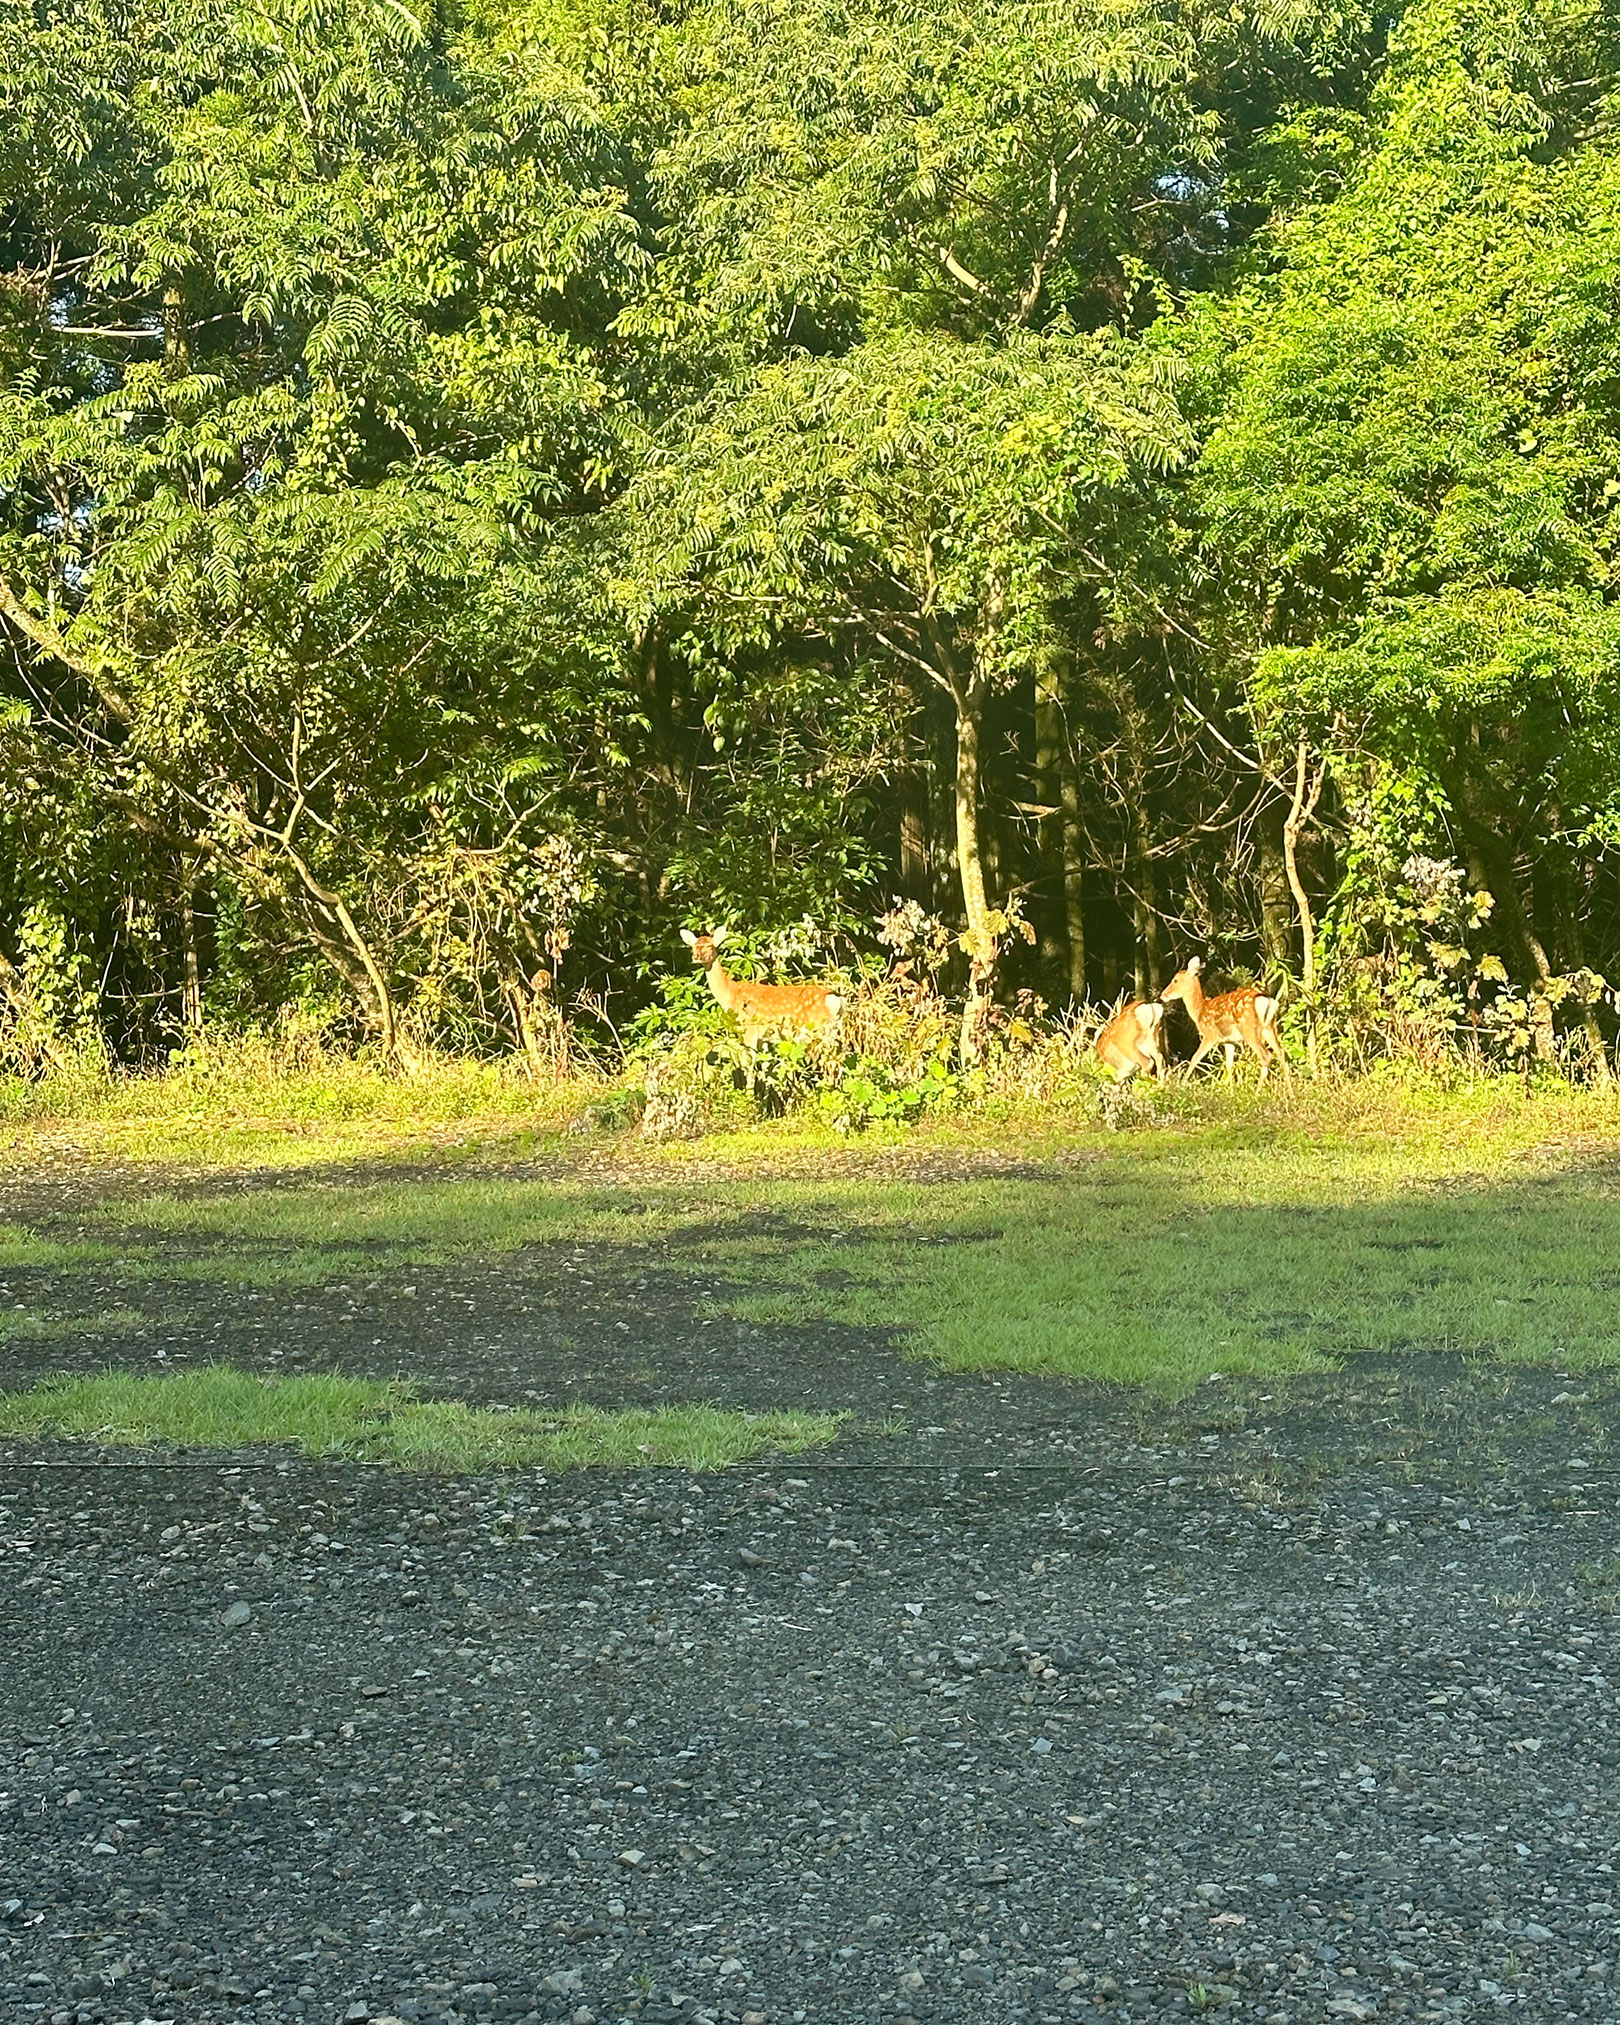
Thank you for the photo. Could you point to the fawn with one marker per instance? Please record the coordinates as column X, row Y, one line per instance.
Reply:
column 1131, row 1042
column 793, row 1011
column 1243, row 1018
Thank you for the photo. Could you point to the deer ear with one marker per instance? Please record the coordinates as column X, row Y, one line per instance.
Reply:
column 689, row 938
column 1195, row 964
column 718, row 937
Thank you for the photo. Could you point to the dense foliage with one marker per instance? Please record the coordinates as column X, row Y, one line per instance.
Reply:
column 484, row 485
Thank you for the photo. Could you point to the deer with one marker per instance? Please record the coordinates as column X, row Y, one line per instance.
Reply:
column 793, row 1011
column 1130, row 1041
column 1246, row 1017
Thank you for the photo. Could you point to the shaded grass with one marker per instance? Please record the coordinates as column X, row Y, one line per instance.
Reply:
column 371, row 1420
column 1604, row 1578
column 249, row 1105
column 1251, row 1236
column 37, row 1328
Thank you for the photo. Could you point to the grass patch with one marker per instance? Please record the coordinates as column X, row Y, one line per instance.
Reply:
column 36, row 1328
column 1604, row 1578
column 1262, row 1236
column 370, row 1420
column 22, row 1247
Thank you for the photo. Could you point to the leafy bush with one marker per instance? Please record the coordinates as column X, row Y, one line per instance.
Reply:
column 865, row 1092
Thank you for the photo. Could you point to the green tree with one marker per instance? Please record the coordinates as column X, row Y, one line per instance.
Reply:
column 1409, row 480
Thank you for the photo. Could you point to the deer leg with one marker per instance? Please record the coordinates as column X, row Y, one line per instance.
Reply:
column 1231, row 1060
column 1202, row 1052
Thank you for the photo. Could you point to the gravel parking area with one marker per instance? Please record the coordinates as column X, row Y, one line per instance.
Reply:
column 1055, row 1706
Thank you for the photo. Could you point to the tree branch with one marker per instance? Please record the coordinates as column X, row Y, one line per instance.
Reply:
column 954, row 268
column 49, row 641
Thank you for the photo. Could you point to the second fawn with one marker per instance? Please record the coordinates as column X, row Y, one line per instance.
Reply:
column 1131, row 1041
column 1244, row 1018
column 763, row 1011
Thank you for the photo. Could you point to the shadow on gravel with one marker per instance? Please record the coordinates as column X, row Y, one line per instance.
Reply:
column 1289, row 1701
column 346, row 1271
column 642, row 1323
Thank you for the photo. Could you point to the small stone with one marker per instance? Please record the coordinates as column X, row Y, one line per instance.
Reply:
column 1041, row 1746
column 563, row 1983
column 236, row 1615
column 632, row 1859
column 750, row 1559
column 357, row 2014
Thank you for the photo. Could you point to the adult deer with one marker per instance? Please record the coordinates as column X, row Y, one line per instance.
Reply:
column 1244, row 1018
column 1131, row 1042
column 791, row 1011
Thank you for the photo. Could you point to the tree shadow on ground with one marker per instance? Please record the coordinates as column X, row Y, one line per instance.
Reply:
column 1413, row 1326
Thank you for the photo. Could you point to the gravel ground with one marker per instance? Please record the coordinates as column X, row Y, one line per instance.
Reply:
column 1289, row 1706
column 282, row 1741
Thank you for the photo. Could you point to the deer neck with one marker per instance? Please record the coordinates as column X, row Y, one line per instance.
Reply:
column 724, row 988
column 1192, row 997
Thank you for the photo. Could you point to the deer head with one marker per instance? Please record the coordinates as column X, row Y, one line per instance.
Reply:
column 705, row 948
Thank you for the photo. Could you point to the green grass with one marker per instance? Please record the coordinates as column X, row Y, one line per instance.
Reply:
column 33, row 1327
column 1604, row 1578
column 1252, row 1235
column 369, row 1420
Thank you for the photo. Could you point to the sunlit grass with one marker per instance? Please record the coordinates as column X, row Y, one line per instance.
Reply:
column 371, row 1420
column 250, row 1105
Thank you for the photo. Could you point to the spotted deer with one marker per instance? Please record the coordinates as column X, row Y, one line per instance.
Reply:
column 1131, row 1041
column 1243, row 1018
column 765, row 1011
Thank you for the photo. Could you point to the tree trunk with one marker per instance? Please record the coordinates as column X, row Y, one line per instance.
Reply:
column 1307, row 792
column 191, row 1008
column 979, row 942
column 1276, row 914
column 1063, row 949
column 1074, row 863
column 915, row 876
column 1048, row 720
column 1140, row 869
column 382, row 998
column 1147, row 959
column 1572, row 945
